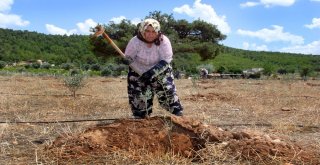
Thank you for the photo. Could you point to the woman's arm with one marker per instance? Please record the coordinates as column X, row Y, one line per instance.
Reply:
column 165, row 49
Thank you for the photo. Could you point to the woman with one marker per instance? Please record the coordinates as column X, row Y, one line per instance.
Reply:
column 150, row 52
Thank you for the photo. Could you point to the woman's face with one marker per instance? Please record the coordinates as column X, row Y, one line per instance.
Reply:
column 150, row 34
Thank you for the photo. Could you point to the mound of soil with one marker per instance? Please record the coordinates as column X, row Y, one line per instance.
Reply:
column 178, row 135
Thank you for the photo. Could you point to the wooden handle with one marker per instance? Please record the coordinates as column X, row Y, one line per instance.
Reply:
column 105, row 35
column 99, row 31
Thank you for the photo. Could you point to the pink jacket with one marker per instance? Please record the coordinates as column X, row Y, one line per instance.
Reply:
column 145, row 58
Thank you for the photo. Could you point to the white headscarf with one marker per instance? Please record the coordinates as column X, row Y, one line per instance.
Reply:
column 149, row 22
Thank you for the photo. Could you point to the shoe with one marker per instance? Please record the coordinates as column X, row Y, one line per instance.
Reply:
column 179, row 113
column 139, row 117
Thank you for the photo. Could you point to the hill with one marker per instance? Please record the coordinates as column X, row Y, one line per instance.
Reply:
column 17, row 45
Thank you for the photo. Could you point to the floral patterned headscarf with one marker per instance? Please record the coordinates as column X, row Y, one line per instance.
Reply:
column 149, row 22
column 143, row 26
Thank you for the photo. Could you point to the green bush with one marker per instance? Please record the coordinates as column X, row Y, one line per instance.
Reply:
column 85, row 67
column 95, row 67
column 235, row 70
column 35, row 65
column 106, row 72
column 221, row 69
column 2, row 64
column 119, row 69
column 27, row 66
column 45, row 66
column 282, row 71
column 209, row 67
column 66, row 66
column 208, row 51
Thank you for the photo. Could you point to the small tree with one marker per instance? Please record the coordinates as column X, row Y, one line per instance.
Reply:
column 304, row 73
column 74, row 82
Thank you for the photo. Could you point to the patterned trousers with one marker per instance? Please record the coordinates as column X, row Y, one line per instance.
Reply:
column 141, row 94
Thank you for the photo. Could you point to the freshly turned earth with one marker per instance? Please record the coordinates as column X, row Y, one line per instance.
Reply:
column 179, row 135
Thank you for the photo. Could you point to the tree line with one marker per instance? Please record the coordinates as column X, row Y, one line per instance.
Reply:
column 194, row 44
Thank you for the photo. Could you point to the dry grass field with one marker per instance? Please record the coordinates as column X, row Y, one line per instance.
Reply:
column 35, row 111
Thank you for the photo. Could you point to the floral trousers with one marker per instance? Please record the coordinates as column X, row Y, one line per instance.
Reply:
column 141, row 94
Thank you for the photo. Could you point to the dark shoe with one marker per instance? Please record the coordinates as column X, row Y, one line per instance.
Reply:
column 179, row 113
column 139, row 117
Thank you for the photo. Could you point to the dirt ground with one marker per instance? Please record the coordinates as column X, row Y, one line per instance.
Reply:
column 182, row 136
column 225, row 122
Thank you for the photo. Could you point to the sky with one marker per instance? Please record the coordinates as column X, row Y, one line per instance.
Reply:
column 261, row 25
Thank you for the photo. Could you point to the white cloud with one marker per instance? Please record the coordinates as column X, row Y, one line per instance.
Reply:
column 269, row 3
column 315, row 23
column 135, row 21
column 117, row 20
column 312, row 48
column 7, row 19
column 5, row 5
column 249, row 4
column 206, row 13
column 248, row 46
column 84, row 27
column 52, row 29
column 273, row 35
column 11, row 19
